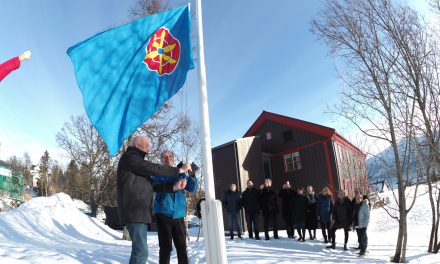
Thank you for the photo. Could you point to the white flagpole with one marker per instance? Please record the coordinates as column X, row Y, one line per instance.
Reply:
column 212, row 215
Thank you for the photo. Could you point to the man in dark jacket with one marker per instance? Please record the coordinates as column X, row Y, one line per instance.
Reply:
column 135, row 193
column 232, row 202
column 251, row 204
column 300, row 206
column 286, row 209
column 342, row 214
column 269, row 208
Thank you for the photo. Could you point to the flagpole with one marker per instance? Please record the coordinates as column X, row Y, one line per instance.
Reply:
column 212, row 215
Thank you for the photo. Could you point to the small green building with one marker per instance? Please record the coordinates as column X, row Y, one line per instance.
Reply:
column 11, row 184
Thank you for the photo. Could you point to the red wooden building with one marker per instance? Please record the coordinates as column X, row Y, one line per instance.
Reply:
column 288, row 149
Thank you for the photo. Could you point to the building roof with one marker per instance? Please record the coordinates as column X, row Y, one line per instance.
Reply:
column 324, row 131
column 5, row 164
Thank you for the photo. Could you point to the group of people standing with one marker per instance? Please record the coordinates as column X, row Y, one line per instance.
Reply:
column 301, row 210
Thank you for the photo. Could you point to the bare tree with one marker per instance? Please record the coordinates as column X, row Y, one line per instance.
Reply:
column 147, row 7
column 372, row 37
column 83, row 144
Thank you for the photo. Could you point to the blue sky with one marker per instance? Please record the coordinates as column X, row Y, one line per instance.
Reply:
column 260, row 55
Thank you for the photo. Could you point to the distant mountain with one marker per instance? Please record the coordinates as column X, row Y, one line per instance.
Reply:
column 381, row 167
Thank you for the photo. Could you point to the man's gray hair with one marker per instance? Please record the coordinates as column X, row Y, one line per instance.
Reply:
column 138, row 138
column 165, row 151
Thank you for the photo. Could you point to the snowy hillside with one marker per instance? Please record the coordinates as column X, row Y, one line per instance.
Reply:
column 381, row 166
column 53, row 230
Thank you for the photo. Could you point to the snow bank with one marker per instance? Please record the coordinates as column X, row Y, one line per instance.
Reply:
column 53, row 230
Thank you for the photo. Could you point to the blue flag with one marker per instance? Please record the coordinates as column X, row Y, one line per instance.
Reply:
column 127, row 73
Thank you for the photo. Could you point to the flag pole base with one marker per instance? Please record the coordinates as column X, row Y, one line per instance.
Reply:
column 213, row 232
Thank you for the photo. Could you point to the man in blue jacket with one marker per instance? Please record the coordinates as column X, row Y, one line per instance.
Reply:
column 170, row 211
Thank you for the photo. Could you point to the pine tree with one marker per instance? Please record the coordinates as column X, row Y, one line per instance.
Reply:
column 44, row 174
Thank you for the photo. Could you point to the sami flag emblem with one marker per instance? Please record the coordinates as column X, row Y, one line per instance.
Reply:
column 163, row 52
column 128, row 72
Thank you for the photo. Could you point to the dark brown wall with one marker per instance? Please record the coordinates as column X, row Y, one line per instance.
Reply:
column 313, row 171
column 277, row 143
column 225, row 168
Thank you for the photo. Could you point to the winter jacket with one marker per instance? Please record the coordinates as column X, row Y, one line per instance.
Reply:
column 300, row 205
column 324, row 208
column 342, row 212
column 232, row 201
column 9, row 66
column 173, row 205
column 286, row 209
column 268, row 201
column 135, row 187
column 312, row 219
column 363, row 215
column 251, row 200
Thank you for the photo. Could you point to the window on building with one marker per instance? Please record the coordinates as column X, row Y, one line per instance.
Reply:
column 268, row 135
column 292, row 162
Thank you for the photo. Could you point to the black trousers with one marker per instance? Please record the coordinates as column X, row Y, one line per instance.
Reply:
column 289, row 225
column 325, row 228
column 332, row 234
column 301, row 228
column 253, row 223
column 170, row 230
column 270, row 219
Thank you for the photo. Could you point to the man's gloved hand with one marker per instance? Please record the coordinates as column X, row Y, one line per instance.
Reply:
column 185, row 168
column 194, row 169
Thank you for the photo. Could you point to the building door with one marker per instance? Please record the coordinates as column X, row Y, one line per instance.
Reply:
column 267, row 166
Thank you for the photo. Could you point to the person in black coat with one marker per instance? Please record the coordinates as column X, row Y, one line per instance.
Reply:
column 312, row 219
column 233, row 203
column 135, row 192
column 269, row 208
column 300, row 205
column 342, row 217
column 251, row 204
column 286, row 208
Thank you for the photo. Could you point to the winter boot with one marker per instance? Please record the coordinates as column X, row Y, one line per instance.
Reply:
column 232, row 236
column 332, row 246
column 251, row 235
column 266, row 234
column 345, row 246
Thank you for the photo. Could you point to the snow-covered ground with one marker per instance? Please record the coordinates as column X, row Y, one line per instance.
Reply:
column 54, row 230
